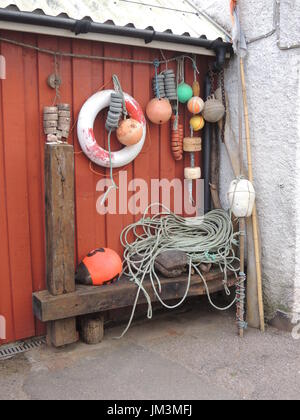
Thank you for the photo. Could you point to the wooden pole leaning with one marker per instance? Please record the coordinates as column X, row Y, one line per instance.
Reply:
column 254, row 215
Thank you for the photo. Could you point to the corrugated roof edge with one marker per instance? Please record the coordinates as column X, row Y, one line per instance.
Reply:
column 13, row 13
column 86, row 25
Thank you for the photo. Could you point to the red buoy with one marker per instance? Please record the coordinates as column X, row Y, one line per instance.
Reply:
column 99, row 267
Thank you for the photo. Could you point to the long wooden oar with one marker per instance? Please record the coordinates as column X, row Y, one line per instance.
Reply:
column 254, row 214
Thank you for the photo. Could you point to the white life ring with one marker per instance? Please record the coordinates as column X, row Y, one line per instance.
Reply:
column 86, row 136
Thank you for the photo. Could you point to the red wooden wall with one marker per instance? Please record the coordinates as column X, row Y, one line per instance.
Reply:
column 23, row 95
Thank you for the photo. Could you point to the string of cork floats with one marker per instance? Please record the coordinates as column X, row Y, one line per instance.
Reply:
column 57, row 122
column 177, row 140
column 50, row 123
column 64, row 120
column 192, row 144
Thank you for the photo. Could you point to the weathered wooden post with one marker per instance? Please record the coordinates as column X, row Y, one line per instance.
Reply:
column 60, row 235
column 92, row 328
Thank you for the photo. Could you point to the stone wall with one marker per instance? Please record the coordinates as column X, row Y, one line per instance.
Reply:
column 272, row 77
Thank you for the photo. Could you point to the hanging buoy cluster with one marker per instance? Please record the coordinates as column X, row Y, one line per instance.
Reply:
column 125, row 116
column 170, row 89
column 159, row 109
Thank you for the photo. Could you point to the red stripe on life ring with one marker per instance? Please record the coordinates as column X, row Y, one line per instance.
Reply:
column 94, row 149
column 135, row 111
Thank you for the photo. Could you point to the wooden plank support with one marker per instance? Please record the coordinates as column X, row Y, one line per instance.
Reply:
column 60, row 228
column 61, row 333
column 88, row 300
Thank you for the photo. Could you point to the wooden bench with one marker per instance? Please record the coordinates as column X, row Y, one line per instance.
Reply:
column 96, row 300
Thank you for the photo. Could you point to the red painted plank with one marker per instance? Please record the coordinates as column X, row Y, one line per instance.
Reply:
column 115, row 223
column 167, row 162
column 142, row 74
column 97, row 80
column 84, row 179
column 17, row 189
column 154, row 133
column 127, row 81
column 34, row 169
column 66, row 95
column 6, row 309
column 46, row 97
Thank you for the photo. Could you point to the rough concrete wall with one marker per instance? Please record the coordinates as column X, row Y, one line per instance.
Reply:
column 272, row 78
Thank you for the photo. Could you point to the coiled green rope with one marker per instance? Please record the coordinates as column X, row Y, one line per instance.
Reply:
column 207, row 239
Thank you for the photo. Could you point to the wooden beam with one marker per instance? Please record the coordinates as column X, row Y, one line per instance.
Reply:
column 89, row 299
column 59, row 190
column 60, row 234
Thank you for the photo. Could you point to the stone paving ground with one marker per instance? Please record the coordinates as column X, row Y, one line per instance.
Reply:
column 193, row 353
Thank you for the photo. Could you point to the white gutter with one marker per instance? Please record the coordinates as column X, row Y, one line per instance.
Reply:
column 44, row 30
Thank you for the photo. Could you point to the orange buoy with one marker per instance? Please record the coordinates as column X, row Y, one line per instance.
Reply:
column 99, row 267
column 129, row 132
column 195, row 105
column 159, row 111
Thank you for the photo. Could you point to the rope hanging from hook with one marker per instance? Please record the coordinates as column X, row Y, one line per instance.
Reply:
column 181, row 77
column 158, row 82
column 57, row 80
column 117, row 107
column 241, row 286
